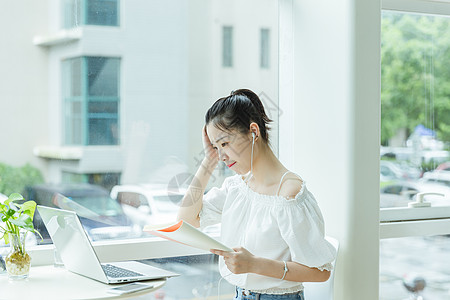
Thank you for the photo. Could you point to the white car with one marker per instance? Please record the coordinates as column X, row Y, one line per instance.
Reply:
column 399, row 194
column 148, row 203
column 438, row 177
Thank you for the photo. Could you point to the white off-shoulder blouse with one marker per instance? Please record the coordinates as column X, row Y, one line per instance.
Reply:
column 272, row 227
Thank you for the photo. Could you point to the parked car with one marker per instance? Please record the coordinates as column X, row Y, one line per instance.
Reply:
column 101, row 216
column 148, row 203
column 399, row 194
column 390, row 170
column 152, row 203
column 444, row 167
column 438, row 177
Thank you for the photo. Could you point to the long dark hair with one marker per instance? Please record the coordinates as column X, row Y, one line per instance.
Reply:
column 237, row 111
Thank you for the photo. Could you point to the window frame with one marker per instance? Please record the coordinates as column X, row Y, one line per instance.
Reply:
column 400, row 222
column 85, row 99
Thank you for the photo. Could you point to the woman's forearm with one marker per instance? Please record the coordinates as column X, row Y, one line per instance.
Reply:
column 191, row 204
column 296, row 272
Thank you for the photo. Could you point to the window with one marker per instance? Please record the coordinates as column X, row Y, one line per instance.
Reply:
column 415, row 136
column 102, row 12
column 90, row 12
column 227, row 46
column 91, row 98
column 107, row 180
column 265, row 48
column 415, row 111
column 126, row 108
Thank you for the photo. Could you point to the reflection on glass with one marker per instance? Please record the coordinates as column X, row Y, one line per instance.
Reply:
column 412, row 261
column 102, row 12
column 90, row 12
column 199, row 278
column 415, row 108
column 265, row 48
column 91, row 92
column 125, row 106
column 227, row 46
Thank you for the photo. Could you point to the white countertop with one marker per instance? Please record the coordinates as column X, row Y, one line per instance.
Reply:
column 48, row 282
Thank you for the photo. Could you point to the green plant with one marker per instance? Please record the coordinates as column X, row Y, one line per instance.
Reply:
column 15, row 217
column 15, row 179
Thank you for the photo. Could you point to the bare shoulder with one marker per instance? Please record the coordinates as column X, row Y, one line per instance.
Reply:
column 291, row 186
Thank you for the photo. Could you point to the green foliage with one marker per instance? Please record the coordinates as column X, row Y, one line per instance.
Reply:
column 16, row 216
column 415, row 74
column 14, row 179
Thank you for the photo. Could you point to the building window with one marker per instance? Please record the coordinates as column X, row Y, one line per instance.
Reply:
column 106, row 180
column 90, row 12
column 91, row 100
column 227, row 46
column 265, row 48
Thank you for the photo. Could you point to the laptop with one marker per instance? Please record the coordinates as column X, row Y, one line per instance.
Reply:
column 78, row 255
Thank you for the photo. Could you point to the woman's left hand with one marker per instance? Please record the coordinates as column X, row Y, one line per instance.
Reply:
column 238, row 262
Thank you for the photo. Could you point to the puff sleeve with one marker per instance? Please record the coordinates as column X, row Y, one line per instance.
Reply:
column 213, row 202
column 302, row 228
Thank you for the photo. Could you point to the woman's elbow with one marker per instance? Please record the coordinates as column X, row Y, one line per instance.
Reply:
column 324, row 276
column 192, row 221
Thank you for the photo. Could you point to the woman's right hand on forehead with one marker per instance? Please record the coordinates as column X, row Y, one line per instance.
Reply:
column 211, row 154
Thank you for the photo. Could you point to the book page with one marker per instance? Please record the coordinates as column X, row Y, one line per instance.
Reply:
column 186, row 234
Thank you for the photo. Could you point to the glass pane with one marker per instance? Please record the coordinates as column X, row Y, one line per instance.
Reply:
column 199, row 279
column 411, row 262
column 72, row 77
column 106, row 107
column 124, row 111
column 71, row 13
column 265, row 48
column 103, row 131
column 102, row 12
column 74, row 132
column 415, row 108
column 103, row 76
column 227, row 46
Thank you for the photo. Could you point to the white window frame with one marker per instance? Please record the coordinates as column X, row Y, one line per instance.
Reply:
column 406, row 222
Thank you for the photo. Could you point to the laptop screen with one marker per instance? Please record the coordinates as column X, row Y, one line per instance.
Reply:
column 72, row 242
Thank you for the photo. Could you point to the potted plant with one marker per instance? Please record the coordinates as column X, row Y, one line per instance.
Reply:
column 16, row 221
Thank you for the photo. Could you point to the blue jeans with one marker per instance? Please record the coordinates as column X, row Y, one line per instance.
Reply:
column 241, row 295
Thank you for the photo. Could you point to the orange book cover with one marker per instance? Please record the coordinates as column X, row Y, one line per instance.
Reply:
column 184, row 233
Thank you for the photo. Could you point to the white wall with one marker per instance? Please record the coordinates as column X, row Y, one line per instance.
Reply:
column 336, row 129
column 23, row 77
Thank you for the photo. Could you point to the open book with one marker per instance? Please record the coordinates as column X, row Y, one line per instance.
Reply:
column 186, row 234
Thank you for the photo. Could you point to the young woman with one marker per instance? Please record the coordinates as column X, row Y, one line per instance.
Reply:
column 268, row 216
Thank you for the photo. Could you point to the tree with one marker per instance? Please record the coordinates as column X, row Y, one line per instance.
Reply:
column 15, row 179
column 415, row 74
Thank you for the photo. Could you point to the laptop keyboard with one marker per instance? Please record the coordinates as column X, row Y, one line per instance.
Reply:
column 117, row 272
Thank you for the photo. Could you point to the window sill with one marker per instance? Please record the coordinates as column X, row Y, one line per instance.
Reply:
column 414, row 214
column 60, row 37
column 121, row 250
column 414, row 228
column 60, row 153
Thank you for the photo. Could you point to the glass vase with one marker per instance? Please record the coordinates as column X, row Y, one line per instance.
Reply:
column 18, row 261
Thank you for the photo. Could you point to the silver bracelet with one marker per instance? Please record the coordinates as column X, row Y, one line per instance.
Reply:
column 285, row 270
